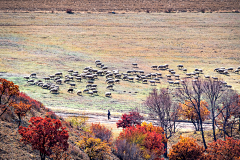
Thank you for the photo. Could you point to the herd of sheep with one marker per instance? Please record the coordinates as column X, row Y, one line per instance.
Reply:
column 90, row 75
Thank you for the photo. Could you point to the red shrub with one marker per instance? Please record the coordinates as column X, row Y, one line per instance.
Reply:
column 228, row 150
column 52, row 115
column 148, row 140
column 101, row 132
column 44, row 134
column 131, row 119
column 28, row 100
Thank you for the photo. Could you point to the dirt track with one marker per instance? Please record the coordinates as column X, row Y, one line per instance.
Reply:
column 186, row 126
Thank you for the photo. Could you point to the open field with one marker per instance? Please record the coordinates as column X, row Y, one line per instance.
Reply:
column 122, row 5
column 47, row 43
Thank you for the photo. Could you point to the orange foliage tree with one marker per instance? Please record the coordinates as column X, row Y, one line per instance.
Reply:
column 192, row 91
column 147, row 137
column 44, row 134
column 227, row 150
column 7, row 93
column 36, row 105
column 101, row 132
column 187, row 111
column 186, row 148
column 21, row 110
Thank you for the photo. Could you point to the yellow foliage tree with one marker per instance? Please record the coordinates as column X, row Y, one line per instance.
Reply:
column 149, row 127
column 79, row 122
column 94, row 147
column 187, row 111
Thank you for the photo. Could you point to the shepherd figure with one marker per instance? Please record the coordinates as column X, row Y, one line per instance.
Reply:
column 109, row 114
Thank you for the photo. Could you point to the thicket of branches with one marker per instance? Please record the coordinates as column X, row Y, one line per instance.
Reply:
column 198, row 100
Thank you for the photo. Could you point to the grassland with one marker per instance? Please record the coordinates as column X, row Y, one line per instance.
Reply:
column 46, row 43
column 122, row 5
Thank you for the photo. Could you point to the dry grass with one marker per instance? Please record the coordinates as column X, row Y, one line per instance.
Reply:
column 123, row 6
column 47, row 43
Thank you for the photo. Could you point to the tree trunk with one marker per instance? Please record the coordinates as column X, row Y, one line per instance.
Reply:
column 165, row 150
column 239, row 124
column 213, row 128
column 174, row 127
column 213, row 124
column 203, row 138
column 3, row 112
column 196, row 128
column 42, row 156
column 19, row 121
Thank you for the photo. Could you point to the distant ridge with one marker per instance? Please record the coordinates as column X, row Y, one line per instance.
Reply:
column 113, row 6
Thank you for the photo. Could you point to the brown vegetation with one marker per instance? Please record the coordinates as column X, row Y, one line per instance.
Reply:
column 112, row 6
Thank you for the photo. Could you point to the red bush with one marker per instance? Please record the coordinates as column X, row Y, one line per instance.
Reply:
column 28, row 100
column 44, row 134
column 131, row 119
column 52, row 115
column 101, row 132
column 148, row 140
column 227, row 150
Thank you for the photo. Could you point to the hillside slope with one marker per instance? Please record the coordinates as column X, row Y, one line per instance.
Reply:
column 12, row 148
column 122, row 5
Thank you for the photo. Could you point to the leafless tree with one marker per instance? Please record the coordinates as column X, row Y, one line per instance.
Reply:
column 213, row 90
column 226, row 114
column 127, row 150
column 159, row 103
column 192, row 90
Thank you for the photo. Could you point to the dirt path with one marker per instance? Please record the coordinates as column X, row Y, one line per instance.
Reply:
column 180, row 126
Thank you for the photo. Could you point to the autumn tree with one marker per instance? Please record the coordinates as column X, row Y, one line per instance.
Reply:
column 186, row 148
column 227, row 150
column 101, row 132
column 44, row 134
column 131, row 119
column 159, row 103
column 213, row 90
column 36, row 105
column 192, row 91
column 7, row 93
column 20, row 109
column 187, row 111
column 78, row 121
column 148, row 138
column 94, row 147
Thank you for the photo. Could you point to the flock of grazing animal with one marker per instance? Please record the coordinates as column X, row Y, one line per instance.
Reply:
column 90, row 75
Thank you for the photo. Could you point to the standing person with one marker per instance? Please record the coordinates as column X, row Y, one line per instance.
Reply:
column 109, row 114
